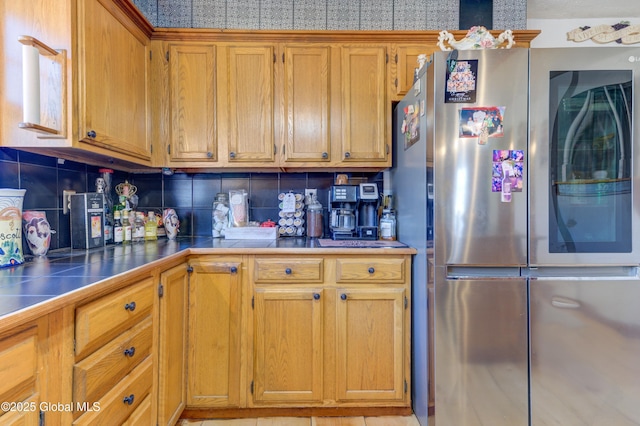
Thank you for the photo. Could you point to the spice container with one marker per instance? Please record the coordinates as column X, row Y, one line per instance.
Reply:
column 388, row 225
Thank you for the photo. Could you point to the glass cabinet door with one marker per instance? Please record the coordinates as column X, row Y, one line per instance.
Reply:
column 590, row 121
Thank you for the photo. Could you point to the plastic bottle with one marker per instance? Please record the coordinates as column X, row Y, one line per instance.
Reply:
column 314, row 219
column 118, row 231
column 151, row 227
column 139, row 228
column 126, row 228
column 388, row 225
column 220, row 215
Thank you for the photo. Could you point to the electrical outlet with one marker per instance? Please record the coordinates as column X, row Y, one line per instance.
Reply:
column 66, row 200
column 309, row 193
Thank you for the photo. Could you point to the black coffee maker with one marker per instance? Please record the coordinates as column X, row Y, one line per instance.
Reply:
column 353, row 212
column 367, row 211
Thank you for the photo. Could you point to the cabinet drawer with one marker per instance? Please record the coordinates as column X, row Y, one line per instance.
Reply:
column 120, row 402
column 19, row 365
column 369, row 270
column 301, row 270
column 108, row 365
column 103, row 319
column 142, row 415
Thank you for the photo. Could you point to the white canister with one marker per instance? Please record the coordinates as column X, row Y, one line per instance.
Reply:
column 11, row 226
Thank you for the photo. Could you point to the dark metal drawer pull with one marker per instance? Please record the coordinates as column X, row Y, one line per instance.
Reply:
column 130, row 352
column 371, row 270
column 128, row 399
column 316, row 296
column 130, row 306
column 343, row 296
column 287, row 271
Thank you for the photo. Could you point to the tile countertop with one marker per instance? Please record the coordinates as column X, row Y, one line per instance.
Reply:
column 64, row 271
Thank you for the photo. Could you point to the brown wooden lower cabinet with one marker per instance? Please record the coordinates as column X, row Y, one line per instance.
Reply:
column 207, row 336
column 214, row 352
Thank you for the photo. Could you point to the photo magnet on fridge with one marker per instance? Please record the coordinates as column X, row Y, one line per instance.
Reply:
column 461, row 82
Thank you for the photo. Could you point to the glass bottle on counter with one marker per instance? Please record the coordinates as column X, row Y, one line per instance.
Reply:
column 151, row 227
column 118, row 231
column 127, row 233
column 138, row 228
column 314, row 219
column 388, row 225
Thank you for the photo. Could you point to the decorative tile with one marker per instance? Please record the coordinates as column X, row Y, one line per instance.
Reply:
column 9, row 177
column 204, row 191
column 510, row 14
column 376, row 14
column 343, row 15
column 149, row 8
column 442, row 15
column 174, row 13
column 243, row 14
column 276, row 14
column 209, row 13
column 310, row 15
column 409, row 15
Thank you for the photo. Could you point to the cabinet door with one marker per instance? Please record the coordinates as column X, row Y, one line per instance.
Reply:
column 370, row 344
column 113, row 62
column 365, row 113
column 192, row 102
column 406, row 61
column 288, row 345
column 214, row 333
column 23, row 373
column 307, row 103
column 172, row 393
column 249, row 104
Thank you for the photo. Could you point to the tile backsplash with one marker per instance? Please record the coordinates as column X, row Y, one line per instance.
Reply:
column 190, row 194
column 327, row 14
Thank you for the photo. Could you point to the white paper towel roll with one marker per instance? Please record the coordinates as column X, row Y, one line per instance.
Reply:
column 30, row 85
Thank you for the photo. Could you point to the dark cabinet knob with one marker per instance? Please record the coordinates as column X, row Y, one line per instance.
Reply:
column 232, row 155
column 91, row 134
column 316, row 296
column 371, row 270
column 287, row 271
column 347, row 154
column 130, row 352
column 130, row 306
column 128, row 399
column 209, row 154
column 343, row 296
column 233, row 269
column 325, row 155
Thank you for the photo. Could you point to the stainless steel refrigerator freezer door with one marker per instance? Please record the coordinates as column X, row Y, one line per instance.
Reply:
column 473, row 224
column 583, row 161
column 481, row 352
column 585, row 352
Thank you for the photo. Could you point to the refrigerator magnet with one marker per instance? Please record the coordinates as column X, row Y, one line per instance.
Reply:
column 507, row 172
column 461, row 82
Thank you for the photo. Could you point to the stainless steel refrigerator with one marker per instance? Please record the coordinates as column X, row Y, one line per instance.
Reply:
column 518, row 175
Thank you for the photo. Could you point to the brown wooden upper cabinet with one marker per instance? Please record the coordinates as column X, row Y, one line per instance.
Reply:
column 93, row 69
column 405, row 61
column 366, row 114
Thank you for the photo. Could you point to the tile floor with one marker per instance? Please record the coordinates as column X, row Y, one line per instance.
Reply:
column 309, row 421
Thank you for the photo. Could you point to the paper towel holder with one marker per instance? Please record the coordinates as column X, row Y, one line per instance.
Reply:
column 48, row 118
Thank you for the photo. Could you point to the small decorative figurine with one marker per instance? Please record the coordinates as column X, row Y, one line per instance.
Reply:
column 171, row 223
column 127, row 195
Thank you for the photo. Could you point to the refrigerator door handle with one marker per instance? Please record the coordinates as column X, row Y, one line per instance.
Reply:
column 564, row 303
